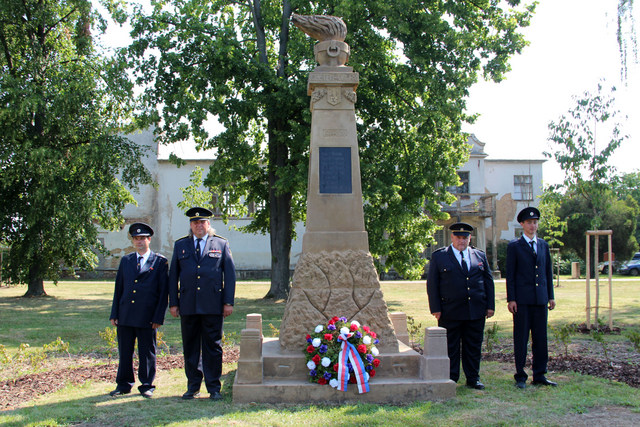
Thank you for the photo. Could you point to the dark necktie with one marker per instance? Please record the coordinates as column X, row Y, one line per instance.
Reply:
column 139, row 263
column 198, row 247
column 533, row 248
column 465, row 269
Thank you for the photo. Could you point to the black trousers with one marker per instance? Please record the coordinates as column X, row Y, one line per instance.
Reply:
column 530, row 318
column 146, row 337
column 466, row 335
column 202, row 333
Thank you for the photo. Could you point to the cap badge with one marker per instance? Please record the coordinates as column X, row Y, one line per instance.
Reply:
column 138, row 230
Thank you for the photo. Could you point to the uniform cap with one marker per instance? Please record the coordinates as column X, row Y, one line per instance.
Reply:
column 198, row 213
column 461, row 229
column 528, row 213
column 140, row 229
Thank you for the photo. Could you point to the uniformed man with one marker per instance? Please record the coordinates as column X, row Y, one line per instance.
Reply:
column 529, row 295
column 461, row 295
column 139, row 304
column 202, row 283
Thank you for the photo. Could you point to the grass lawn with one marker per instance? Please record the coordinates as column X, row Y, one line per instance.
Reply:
column 77, row 311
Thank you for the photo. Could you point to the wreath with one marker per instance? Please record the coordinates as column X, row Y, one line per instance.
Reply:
column 342, row 352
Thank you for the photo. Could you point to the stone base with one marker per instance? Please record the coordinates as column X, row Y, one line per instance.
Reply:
column 338, row 283
column 405, row 376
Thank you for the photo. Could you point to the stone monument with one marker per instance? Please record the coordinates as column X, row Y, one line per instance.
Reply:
column 335, row 275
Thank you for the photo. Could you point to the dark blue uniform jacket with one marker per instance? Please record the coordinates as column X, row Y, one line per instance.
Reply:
column 455, row 295
column 529, row 277
column 201, row 286
column 140, row 299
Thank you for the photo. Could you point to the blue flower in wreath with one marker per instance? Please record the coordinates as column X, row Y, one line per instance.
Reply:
column 369, row 358
column 327, row 376
column 309, row 340
column 376, row 341
column 343, row 319
column 312, row 373
column 323, row 349
column 331, row 327
column 368, row 368
column 358, row 335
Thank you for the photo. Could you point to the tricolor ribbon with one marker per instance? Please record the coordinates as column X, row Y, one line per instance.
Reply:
column 348, row 352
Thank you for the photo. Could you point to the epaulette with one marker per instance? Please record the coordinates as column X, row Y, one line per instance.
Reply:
column 183, row 237
column 440, row 249
column 220, row 237
column 473, row 247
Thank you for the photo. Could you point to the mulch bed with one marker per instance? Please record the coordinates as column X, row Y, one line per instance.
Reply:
column 17, row 391
column 617, row 371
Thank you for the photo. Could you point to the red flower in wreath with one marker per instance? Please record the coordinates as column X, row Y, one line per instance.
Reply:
column 376, row 362
column 353, row 328
column 316, row 359
column 336, row 367
column 362, row 348
column 322, row 381
column 328, row 337
column 372, row 373
column 310, row 349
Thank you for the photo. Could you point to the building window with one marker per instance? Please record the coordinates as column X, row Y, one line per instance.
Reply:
column 463, row 188
column 517, row 231
column 522, row 187
column 234, row 212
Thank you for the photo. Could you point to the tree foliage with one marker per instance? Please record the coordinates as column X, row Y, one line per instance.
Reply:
column 240, row 63
column 63, row 166
column 585, row 200
column 620, row 217
column 583, row 155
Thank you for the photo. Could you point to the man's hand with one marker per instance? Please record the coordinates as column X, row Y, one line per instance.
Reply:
column 114, row 322
column 490, row 313
column 513, row 307
column 227, row 310
column 155, row 325
column 552, row 304
column 437, row 315
column 174, row 310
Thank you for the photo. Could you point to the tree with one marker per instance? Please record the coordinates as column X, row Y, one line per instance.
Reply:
column 587, row 200
column 64, row 167
column 628, row 185
column 238, row 62
column 620, row 217
column 581, row 154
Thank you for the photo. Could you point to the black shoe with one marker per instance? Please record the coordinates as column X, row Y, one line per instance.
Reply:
column 190, row 395
column 475, row 385
column 147, row 393
column 118, row 392
column 544, row 381
column 215, row 396
column 521, row 384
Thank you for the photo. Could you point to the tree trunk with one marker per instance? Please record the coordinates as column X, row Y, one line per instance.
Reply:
column 280, row 220
column 35, row 287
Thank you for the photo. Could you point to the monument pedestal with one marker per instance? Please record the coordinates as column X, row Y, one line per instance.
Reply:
column 281, row 376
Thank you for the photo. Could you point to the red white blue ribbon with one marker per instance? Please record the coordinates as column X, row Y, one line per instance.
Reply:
column 348, row 352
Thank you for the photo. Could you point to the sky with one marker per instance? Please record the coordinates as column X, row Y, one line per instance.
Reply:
column 572, row 47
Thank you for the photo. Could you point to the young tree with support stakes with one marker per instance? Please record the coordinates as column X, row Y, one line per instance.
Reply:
column 64, row 166
column 238, row 62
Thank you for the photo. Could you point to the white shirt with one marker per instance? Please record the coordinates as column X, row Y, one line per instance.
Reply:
column 528, row 240
column 203, row 242
column 145, row 257
column 459, row 258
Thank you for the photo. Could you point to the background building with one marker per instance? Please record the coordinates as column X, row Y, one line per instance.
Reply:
column 492, row 193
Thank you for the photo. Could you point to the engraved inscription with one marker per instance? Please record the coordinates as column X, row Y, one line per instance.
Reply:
column 332, row 133
column 316, row 77
column 335, row 170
